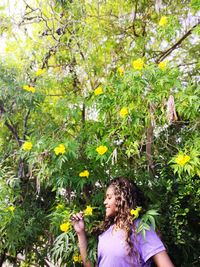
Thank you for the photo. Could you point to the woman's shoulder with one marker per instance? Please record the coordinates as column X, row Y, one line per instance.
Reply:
column 143, row 231
column 147, row 240
column 136, row 222
column 107, row 231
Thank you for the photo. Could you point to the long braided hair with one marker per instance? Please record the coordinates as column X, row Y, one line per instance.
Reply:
column 128, row 196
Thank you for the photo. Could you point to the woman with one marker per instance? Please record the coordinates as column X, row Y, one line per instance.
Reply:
column 119, row 245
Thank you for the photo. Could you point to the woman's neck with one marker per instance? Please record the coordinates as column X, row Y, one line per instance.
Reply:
column 118, row 225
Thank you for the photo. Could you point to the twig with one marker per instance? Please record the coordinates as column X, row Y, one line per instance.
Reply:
column 169, row 50
column 135, row 13
column 25, row 123
column 187, row 64
column 10, row 125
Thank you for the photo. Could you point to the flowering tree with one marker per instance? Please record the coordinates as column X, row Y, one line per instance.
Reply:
column 91, row 91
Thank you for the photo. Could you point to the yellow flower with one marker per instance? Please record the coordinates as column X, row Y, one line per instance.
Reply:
column 29, row 88
column 98, row 91
column 135, row 212
column 138, row 64
column 85, row 173
column 59, row 206
column 60, row 149
column 123, row 112
column 11, row 208
column 64, row 227
column 26, row 87
column 39, row 72
column 27, row 146
column 182, row 159
column 8, row 49
column 162, row 65
column 120, row 70
column 77, row 258
column 101, row 150
column 32, row 89
column 163, row 21
column 88, row 211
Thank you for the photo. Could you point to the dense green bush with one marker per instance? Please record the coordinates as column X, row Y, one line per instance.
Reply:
column 90, row 91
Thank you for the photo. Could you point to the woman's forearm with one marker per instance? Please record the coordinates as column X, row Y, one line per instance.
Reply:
column 162, row 259
column 82, row 241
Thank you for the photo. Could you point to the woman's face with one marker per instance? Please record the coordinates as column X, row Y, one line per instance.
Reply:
column 110, row 203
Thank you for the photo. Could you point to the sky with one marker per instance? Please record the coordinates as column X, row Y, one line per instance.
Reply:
column 15, row 9
column 9, row 8
column 12, row 6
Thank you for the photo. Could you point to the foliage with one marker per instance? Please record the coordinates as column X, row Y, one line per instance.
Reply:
column 90, row 90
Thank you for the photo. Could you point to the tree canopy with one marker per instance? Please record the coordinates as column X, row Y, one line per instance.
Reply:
column 91, row 90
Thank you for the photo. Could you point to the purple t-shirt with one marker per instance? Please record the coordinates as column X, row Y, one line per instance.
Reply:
column 113, row 252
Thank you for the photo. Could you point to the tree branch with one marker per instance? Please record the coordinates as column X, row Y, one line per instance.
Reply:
column 83, row 114
column 2, row 257
column 149, row 142
column 175, row 46
column 135, row 13
column 10, row 125
column 25, row 123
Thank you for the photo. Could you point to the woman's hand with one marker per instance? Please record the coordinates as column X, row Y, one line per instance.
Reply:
column 79, row 226
column 78, row 222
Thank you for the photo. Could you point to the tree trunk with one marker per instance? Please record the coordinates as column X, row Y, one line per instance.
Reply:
column 2, row 258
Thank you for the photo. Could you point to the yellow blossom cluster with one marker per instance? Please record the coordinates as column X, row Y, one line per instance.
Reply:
column 138, row 64
column 98, row 91
column 162, row 65
column 11, row 208
column 59, row 206
column 64, row 227
column 120, row 70
column 101, row 150
column 123, row 112
column 135, row 212
column 39, row 72
column 182, row 159
column 60, row 149
column 84, row 173
column 77, row 258
column 27, row 146
column 29, row 88
column 88, row 211
column 163, row 21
